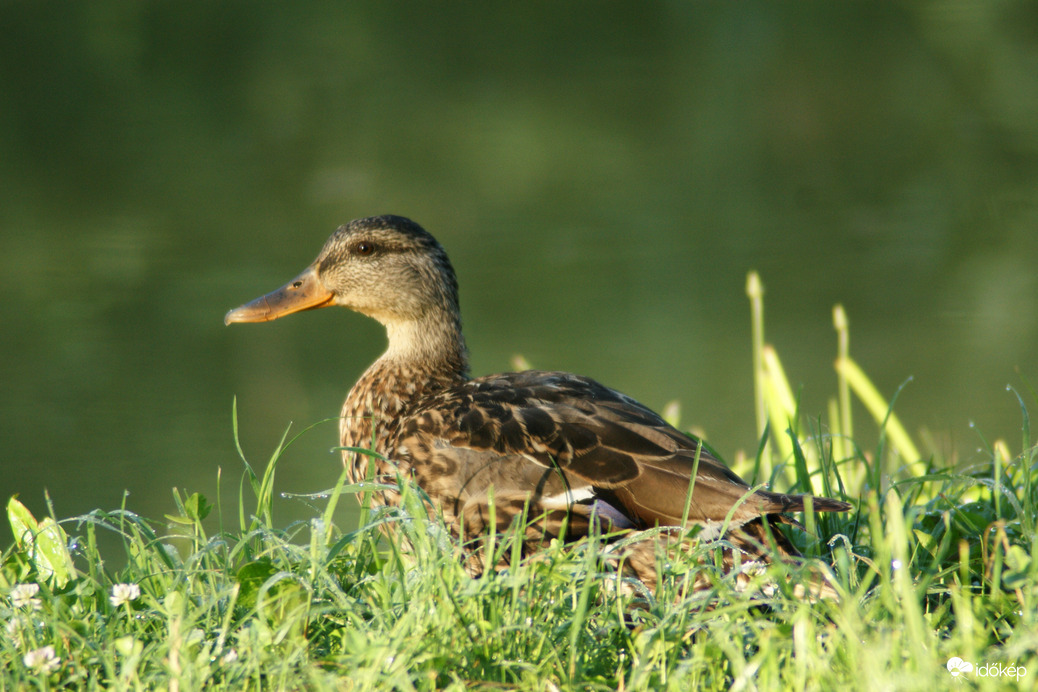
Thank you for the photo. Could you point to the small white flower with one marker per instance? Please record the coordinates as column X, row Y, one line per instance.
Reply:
column 22, row 596
column 13, row 628
column 230, row 657
column 124, row 593
column 42, row 660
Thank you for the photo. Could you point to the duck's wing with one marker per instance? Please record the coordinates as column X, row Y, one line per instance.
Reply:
column 560, row 439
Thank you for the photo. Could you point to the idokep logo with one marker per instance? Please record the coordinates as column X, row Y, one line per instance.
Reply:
column 958, row 669
column 956, row 666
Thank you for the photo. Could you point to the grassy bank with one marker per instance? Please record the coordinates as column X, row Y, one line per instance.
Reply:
column 936, row 563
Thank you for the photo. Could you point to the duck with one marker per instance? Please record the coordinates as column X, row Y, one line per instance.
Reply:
column 566, row 454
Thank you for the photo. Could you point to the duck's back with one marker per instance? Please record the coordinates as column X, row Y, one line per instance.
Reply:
column 568, row 444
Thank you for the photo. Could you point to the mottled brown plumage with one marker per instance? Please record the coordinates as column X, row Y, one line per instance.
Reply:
column 568, row 450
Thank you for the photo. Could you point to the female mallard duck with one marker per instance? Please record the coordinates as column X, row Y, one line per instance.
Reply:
column 573, row 451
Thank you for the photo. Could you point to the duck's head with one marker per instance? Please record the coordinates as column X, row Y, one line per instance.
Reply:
column 386, row 267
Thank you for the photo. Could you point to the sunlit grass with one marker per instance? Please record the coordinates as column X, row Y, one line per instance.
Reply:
column 934, row 564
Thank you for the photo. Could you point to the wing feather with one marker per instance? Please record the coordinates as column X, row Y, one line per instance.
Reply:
column 585, row 436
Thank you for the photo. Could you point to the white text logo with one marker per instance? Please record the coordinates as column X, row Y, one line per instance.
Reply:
column 958, row 669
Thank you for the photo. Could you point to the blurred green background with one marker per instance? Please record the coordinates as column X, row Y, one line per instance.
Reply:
column 603, row 175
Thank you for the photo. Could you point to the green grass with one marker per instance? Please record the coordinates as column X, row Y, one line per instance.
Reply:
column 933, row 563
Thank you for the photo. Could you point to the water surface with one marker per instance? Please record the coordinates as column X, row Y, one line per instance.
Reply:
column 603, row 175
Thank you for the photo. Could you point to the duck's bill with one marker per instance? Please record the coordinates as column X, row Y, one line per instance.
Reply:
column 304, row 292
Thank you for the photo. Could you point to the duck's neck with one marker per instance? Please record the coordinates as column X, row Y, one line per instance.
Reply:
column 423, row 357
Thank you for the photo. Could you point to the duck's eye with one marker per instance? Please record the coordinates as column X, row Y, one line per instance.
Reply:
column 365, row 248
